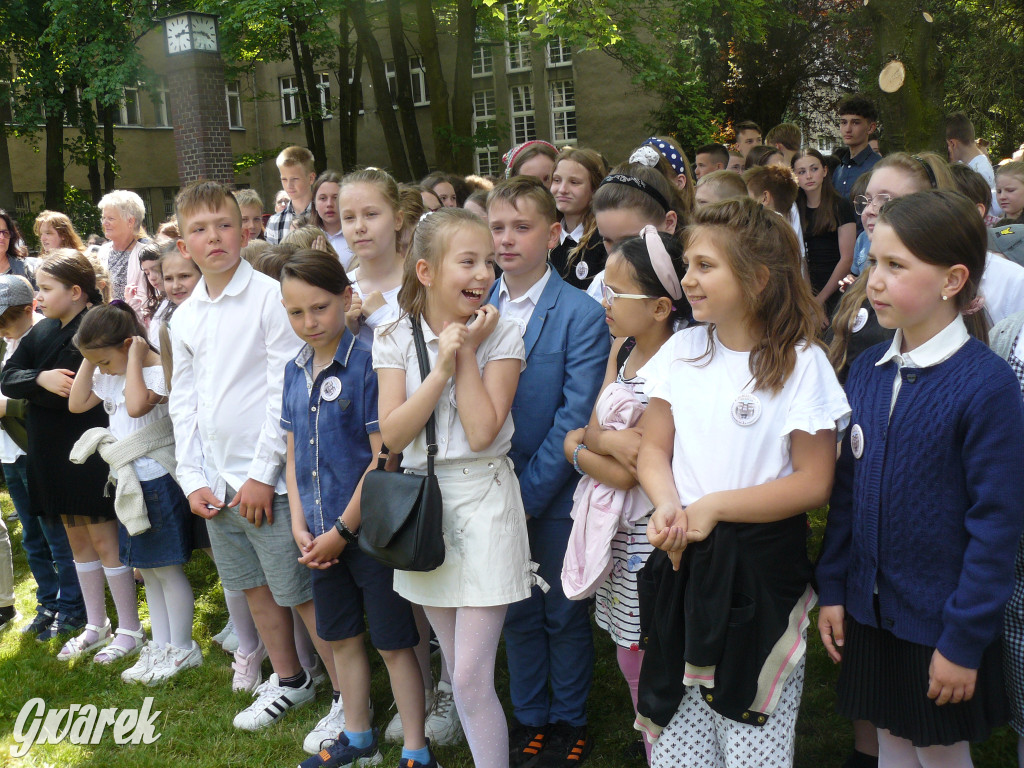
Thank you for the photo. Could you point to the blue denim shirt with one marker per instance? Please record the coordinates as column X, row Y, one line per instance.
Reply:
column 851, row 168
column 332, row 447
column 861, row 248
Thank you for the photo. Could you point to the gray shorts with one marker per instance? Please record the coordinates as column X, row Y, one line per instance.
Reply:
column 248, row 557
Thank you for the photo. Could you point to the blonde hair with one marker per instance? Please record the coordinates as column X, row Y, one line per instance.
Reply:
column 62, row 226
column 518, row 188
column 917, row 167
column 203, row 195
column 303, row 238
column 296, row 155
column 724, row 184
column 248, row 197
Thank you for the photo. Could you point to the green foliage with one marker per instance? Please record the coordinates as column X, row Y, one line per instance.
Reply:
column 84, row 214
column 243, row 161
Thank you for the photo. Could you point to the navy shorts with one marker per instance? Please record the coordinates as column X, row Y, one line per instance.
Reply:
column 169, row 538
column 356, row 583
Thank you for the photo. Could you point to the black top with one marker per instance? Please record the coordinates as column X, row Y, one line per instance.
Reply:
column 55, row 485
column 587, row 264
column 868, row 334
column 823, row 250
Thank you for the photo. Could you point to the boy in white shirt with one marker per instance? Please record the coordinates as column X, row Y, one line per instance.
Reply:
column 231, row 341
column 962, row 146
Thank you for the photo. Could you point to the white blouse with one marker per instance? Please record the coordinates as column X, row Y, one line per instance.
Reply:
column 712, row 450
column 382, row 316
column 394, row 347
column 110, row 389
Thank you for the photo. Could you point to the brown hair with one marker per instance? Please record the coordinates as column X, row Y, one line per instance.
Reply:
column 327, row 177
column 596, row 169
column 917, row 167
column 842, row 322
column 971, row 184
column 684, row 203
column 62, row 226
column 317, row 268
column 761, row 246
column 960, row 128
column 13, row 312
column 826, row 216
column 70, row 268
column 786, row 134
column 203, row 195
column 13, row 249
column 777, row 181
column 411, row 204
column 108, row 326
column 618, row 196
column 1013, row 168
column 759, row 154
column 304, row 237
column 296, row 156
column 528, row 154
column 518, row 188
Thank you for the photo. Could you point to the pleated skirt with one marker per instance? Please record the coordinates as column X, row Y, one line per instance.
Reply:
column 884, row 680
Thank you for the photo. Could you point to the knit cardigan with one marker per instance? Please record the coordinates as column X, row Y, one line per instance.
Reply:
column 930, row 512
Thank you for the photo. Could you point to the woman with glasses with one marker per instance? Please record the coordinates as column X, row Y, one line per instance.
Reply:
column 12, row 248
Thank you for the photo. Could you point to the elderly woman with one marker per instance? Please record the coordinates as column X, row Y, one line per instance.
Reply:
column 12, row 250
column 122, row 214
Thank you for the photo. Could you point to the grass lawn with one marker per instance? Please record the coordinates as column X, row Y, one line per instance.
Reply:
column 196, row 708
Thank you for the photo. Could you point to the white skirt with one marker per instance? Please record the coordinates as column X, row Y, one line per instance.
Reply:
column 487, row 552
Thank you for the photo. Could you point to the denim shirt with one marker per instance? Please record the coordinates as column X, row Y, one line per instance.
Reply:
column 332, row 447
column 861, row 248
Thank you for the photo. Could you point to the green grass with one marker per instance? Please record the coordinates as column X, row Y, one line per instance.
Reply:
column 197, row 708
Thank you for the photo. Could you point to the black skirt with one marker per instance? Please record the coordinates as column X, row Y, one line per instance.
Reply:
column 884, row 680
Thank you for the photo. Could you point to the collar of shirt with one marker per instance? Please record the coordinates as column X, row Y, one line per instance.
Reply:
column 937, row 349
column 532, row 296
column 341, row 355
column 861, row 157
column 243, row 274
column 576, row 234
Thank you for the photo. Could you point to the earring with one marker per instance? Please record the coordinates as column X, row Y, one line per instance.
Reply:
column 945, row 298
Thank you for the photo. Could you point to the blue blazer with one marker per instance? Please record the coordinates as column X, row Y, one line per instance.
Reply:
column 567, row 347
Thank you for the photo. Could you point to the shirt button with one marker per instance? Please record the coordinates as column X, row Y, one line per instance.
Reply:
column 313, row 409
column 312, row 441
column 314, row 473
column 911, row 377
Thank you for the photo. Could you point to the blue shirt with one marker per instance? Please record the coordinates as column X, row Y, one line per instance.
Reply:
column 851, row 168
column 332, row 447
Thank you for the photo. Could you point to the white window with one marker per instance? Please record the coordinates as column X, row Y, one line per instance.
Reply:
column 563, row 110
column 483, row 62
column 488, row 158
column 418, row 77
column 323, row 85
column 289, row 100
column 129, row 107
column 559, row 52
column 233, row 98
column 826, row 144
column 161, row 103
column 524, row 123
column 518, row 44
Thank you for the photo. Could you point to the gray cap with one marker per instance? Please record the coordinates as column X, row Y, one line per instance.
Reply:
column 15, row 291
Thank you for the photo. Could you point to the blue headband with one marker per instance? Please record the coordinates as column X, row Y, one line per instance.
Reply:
column 670, row 153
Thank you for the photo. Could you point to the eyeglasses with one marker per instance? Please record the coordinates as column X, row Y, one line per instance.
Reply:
column 862, row 202
column 5, row 233
column 610, row 296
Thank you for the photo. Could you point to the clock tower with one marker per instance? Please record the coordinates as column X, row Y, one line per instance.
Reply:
column 195, row 76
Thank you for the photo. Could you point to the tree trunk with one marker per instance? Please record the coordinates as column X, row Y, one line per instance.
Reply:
column 348, row 78
column 92, row 143
column 7, row 199
column 54, row 159
column 462, row 96
column 382, row 95
column 109, row 148
column 316, row 114
column 403, row 82
column 440, row 120
column 307, row 126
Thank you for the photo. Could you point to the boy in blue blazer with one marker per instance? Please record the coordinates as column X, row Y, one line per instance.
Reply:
column 548, row 639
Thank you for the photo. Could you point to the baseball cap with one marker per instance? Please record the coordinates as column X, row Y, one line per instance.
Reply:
column 15, row 291
column 1009, row 241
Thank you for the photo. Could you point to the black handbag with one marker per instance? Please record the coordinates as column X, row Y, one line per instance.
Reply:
column 401, row 513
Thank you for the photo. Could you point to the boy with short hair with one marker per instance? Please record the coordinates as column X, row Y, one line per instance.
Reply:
column 717, row 186
column 736, row 162
column 858, row 119
column 773, row 186
column 785, row 137
column 251, row 206
column 710, row 157
column 231, row 341
column 297, row 177
column 548, row 639
column 962, row 146
column 748, row 135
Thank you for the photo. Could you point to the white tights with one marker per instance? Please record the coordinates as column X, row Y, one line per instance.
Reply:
column 469, row 641
column 896, row 752
column 171, row 605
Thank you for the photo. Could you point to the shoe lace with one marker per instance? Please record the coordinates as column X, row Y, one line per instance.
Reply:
column 443, row 702
column 265, row 693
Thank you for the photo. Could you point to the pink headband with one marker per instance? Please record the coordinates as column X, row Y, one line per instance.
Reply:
column 509, row 158
column 661, row 262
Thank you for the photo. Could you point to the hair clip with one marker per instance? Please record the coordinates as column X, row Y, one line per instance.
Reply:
column 661, row 262
column 425, row 214
column 646, row 155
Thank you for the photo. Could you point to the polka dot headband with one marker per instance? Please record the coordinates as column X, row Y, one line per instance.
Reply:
column 670, row 153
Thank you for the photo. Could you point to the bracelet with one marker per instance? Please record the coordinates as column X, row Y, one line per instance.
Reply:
column 576, row 458
column 345, row 531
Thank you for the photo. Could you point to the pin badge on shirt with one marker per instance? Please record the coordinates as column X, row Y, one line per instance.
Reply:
column 857, row 441
column 330, row 389
column 109, row 406
column 582, row 270
column 861, row 320
column 746, row 410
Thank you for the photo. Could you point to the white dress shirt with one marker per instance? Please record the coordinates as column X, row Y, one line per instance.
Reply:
column 937, row 349
column 340, row 245
column 229, row 360
column 520, row 310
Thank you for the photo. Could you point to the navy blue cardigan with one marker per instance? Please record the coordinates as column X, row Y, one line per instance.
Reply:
column 933, row 509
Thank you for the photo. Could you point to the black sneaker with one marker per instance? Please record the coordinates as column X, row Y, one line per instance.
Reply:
column 40, row 624
column 525, row 744
column 61, row 627
column 8, row 615
column 567, row 746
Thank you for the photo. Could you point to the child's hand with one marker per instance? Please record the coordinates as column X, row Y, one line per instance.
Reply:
column 667, row 530
column 832, row 628
column 452, row 337
column 482, row 325
column 255, row 501
column 846, row 282
column 355, row 312
column 320, row 243
column 949, row 682
column 324, row 550
column 623, row 445
column 303, row 539
column 372, row 303
column 701, row 518
column 204, row 503
column 130, row 292
column 138, row 351
column 58, row 381
column 572, row 438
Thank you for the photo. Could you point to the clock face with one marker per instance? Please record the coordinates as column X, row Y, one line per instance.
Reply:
column 204, row 33
column 176, row 31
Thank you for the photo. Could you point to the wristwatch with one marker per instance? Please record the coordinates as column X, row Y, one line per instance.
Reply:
column 346, row 532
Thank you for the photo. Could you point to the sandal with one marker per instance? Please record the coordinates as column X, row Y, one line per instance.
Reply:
column 77, row 646
column 112, row 652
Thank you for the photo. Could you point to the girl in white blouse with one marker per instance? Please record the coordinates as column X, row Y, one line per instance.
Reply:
column 475, row 362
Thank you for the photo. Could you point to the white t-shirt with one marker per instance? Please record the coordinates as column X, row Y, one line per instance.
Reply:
column 711, row 451
column 396, row 348
column 110, row 389
column 1002, row 285
column 983, row 165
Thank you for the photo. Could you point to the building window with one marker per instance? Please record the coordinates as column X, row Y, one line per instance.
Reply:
column 417, row 76
column 559, row 52
column 518, row 43
column 524, row 123
column 826, row 144
column 563, row 110
column 129, row 107
column 483, row 62
column 161, row 103
column 289, row 100
column 323, row 84
column 488, row 157
column 233, row 98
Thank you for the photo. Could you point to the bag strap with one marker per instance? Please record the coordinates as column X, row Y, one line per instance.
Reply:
column 424, row 362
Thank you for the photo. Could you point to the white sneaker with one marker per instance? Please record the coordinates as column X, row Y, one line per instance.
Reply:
column 138, row 672
column 273, row 701
column 328, row 728
column 229, row 629
column 443, row 726
column 318, row 672
column 394, row 733
column 247, row 669
column 230, row 644
column 173, row 661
